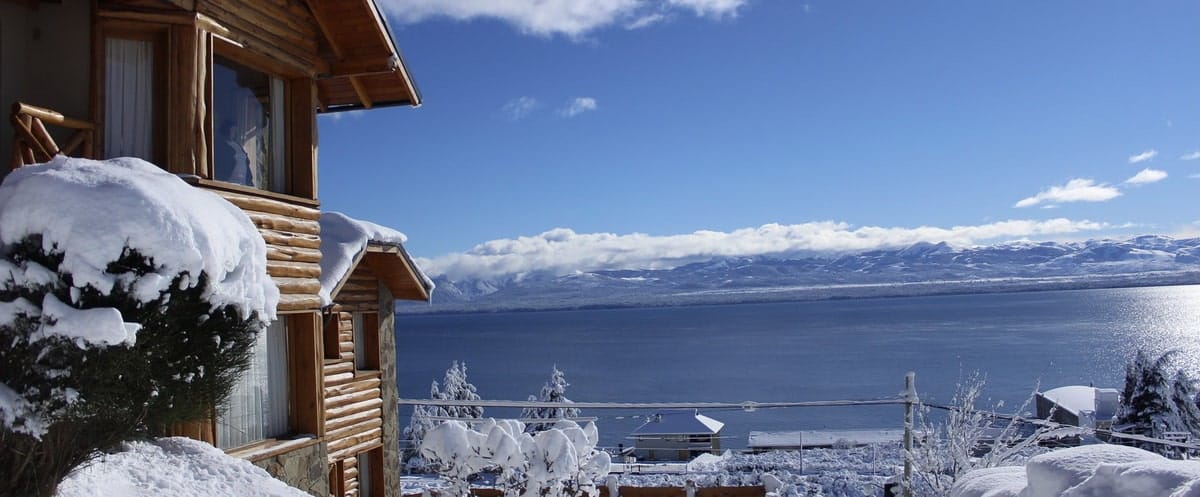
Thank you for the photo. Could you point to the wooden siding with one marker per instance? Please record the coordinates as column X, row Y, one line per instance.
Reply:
column 361, row 291
column 293, row 236
column 281, row 29
column 353, row 405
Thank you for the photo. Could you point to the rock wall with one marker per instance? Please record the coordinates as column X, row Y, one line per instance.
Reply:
column 305, row 468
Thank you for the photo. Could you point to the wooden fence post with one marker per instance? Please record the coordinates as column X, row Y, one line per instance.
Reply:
column 910, row 398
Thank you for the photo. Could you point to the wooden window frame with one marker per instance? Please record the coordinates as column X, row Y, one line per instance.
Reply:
column 306, row 405
column 299, row 120
column 374, row 460
column 370, row 347
column 160, row 36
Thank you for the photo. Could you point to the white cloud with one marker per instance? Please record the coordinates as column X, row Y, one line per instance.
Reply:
column 563, row 251
column 710, row 8
column 646, row 21
column 571, row 18
column 1192, row 156
column 1143, row 157
column 520, row 107
column 1076, row 190
column 1194, row 176
column 1147, row 176
column 578, row 106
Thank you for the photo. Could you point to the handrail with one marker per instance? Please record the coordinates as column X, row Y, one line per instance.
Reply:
column 33, row 143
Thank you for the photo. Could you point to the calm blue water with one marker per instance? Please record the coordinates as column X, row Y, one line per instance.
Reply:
column 850, row 349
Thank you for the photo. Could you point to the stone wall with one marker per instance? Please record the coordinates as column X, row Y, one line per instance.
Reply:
column 306, row 468
column 390, row 393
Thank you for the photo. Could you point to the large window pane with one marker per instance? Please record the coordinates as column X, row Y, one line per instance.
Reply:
column 248, row 126
column 128, row 98
column 258, row 407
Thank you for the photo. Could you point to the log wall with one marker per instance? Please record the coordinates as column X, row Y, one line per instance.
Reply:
column 353, row 405
column 293, row 236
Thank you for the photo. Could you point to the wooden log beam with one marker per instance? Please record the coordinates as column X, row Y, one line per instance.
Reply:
column 357, row 449
column 50, row 116
column 272, row 206
column 353, row 430
column 300, row 270
column 293, row 254
column 361, row 91
column 338, row 368
column 284, row 223
column 372, row 435
column 365, row 405
column 352, row 398
column 299, row 302
column 287, row 239
column 293, row 285
column 362, row 67
column 351, row 418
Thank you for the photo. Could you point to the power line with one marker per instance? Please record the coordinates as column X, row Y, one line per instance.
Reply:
column 746, row 406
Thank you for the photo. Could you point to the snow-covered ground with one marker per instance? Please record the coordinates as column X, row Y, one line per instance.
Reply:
column 175, row 467
column 850, row 472
column 1087, row 471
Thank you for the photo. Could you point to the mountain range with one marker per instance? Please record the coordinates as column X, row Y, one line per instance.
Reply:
column 919, row 269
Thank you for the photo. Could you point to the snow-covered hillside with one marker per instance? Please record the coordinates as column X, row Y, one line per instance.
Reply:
column 919, row 269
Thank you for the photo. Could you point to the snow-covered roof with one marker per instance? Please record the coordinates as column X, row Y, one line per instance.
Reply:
column 821, row 438
column 345, row 241
column 91, row 211
column 178, row 467
column 679, row 422
column 1073, row 398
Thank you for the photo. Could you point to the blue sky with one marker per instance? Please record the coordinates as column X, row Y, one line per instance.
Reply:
column 552, row 128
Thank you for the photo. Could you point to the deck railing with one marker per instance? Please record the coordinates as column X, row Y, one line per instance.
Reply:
column 33, row 143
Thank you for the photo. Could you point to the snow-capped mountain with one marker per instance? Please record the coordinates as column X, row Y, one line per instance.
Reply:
column 921, row 268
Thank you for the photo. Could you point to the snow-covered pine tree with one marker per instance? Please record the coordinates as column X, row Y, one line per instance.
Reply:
column 456, row 387
column 1156, row 401
column 425, row 418
column 553, row 391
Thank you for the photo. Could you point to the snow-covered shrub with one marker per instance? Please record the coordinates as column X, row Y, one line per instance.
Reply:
column 455, row 387
column 969, row 439
column 1157, row 401
column 553, row 391
column 129, row 301
column 559, row 461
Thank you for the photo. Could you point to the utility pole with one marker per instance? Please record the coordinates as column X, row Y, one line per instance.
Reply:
column 910, row 398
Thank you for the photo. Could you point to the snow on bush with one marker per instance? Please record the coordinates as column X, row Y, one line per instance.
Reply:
column 129, row 301
column 455, row 386
column 1001, row 481
column 553, row 391
column 1156, row 401
column 561, row 460
column 93, row 212
column 176, row 467
column 1052, row 473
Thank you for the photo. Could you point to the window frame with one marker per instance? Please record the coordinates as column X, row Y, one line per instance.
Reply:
column 299, row 122
column 159, row 36
column 368, row 349
column 287, row 400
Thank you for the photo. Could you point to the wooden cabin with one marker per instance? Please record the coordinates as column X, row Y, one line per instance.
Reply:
column 365, row 269
column 225, row 93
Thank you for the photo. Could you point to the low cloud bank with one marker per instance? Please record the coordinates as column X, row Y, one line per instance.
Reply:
column 562, row 250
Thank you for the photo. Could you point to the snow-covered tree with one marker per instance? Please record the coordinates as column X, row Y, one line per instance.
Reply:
column 455, row 386
column 129, row 301
column 553, row 391
column 1156, row 400
column 561, row 460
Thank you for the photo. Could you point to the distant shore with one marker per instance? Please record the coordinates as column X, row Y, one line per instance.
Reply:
column 759, row 295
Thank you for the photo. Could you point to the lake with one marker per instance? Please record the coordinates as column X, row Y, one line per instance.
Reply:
column 800, row 351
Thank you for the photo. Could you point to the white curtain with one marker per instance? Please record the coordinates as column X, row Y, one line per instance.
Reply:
column 360, row 342
column 258, row 407
column 129, row 98
column 364, row 475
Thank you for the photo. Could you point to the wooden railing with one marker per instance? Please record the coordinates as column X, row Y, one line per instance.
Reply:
column 33, row 143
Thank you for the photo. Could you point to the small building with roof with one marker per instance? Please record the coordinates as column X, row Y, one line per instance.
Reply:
column 1079, row 405
column 677, row 435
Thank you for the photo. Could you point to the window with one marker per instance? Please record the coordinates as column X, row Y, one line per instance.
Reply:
column 366, row 341
column 370, row 473
column 258, row 406
column 128, row 98
column 248, row 126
